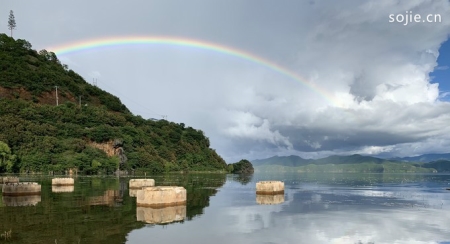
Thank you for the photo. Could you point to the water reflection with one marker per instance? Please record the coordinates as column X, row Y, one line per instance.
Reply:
column 323, row 209
column 109, row 198
column 59, row 189
column 15, row 201
column 99, row 209
column 244, row 179
column 161, row 215
column 269, row 199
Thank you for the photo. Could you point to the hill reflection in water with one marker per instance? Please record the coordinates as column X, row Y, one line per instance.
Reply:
column 316, row 208
column 98, row 209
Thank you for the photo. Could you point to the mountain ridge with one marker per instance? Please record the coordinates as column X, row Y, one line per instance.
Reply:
column 294, row 160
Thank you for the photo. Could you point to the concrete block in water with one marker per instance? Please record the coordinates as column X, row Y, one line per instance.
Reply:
column 21, row 189
column 269, row 199
column 63, row 182
column 161, row 196
column 9, row 179
column 15, row 201
column 270, row 187
column 161, row 215
column 62, row 188
column 139, row 183
column 133, row 192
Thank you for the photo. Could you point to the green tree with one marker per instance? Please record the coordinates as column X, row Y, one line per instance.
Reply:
column 11, row 22
column 7, row 160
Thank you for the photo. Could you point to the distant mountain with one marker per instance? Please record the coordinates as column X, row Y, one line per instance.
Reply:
column 439, row 165
column 346, row 164
column 291, row 161
column 351, row 159
column 425, row 158
column 294, row 161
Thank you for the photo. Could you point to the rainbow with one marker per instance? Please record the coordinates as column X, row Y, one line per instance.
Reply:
column 183, row 42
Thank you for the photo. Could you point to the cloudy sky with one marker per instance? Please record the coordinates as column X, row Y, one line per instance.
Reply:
column 362, row 84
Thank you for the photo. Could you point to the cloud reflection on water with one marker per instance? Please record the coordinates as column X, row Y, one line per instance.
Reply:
column 316, row 213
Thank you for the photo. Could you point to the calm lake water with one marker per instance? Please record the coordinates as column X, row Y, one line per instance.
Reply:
column 316, row 208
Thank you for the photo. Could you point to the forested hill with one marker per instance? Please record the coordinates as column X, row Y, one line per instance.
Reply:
column 38, row 136
column 350, row 163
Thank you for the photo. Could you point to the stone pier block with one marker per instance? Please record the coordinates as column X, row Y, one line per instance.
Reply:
column 270, row 187
column 269, row 199
column 63, row 182
column 133, row 192
column 139, row 183
column 161, row 215
column 161, row 196
column 9, row 179
column 21, row 189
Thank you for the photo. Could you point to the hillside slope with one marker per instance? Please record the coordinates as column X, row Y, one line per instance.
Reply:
column 45, row 137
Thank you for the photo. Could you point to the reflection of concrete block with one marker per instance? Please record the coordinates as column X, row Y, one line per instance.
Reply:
column 31, row 200
column 109, row 198
column 269, row 199
column 160, row 196
column 270, row 187
column 161, row 215
column 21, row 189
column 9, row 179
column 63, row 182
column 133, row 192
column 139, row 183
column 59, row 188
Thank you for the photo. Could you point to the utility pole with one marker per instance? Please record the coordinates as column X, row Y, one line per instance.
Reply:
column 56, row 95
column 79, row 101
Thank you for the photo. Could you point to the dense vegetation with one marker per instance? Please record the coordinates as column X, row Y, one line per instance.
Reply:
column 439, row 165
column 241, row 167
column 426, row 158
column 38, row 136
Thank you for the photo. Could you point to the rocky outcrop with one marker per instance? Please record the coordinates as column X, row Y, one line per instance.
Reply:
column 107, row 147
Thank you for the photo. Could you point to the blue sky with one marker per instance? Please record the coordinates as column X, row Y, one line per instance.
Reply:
column 441, row 74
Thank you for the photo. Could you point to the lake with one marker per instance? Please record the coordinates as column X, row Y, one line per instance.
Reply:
column 315, row 208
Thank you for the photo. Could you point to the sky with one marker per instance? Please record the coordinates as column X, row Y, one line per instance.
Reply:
column 308, row 78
